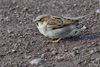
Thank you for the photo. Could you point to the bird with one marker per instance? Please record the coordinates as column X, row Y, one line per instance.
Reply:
column 57, row 27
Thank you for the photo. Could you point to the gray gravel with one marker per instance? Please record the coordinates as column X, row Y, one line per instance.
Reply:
column 21, row 42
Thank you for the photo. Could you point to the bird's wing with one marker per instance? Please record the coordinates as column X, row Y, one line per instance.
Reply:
column 58, row 22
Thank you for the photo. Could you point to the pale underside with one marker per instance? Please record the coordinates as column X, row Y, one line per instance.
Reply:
column 56, row 33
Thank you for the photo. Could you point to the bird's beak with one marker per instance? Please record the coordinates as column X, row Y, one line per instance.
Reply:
column 36, row 21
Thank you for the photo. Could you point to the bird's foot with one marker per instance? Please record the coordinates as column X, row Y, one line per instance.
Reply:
column 56, row 41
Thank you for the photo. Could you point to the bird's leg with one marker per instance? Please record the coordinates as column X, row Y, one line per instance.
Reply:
column 56, row 41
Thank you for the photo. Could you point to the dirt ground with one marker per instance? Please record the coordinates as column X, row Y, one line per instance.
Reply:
column 21, row 42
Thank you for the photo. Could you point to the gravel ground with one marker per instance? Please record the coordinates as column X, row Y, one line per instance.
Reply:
column 21, row 43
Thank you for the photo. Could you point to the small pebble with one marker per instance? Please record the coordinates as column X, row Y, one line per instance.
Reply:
column 91, row 65
column 98, row 11
column 70, row 10
column 72, row 54
column 7, row 18
column 97, row 59
column 9, row 31
column 92, row 58
column 60, row 58
column 24, row 9
column 75, row 48
column 92, row 43
column 83, row 28
column 93, row 51
column 43, row 55
column 89, row 45
column 13, row 50
column 54, row 52
column 43, row 4
column 76, row 62
column 36, row 61
column 95, row 20
column 38, row 9
column 27, row 57
column 75, row 5
column 1, row 19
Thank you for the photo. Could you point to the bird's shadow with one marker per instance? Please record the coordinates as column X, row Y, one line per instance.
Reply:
column 83, row 37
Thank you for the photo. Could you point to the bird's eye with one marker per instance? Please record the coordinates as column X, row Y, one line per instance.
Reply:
column 40, row 20
column 68, row 19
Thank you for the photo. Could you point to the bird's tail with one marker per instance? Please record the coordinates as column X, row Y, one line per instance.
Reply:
column 81, row 17
column 76, row 19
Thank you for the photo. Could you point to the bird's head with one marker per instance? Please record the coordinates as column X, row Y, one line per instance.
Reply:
column 41, row 19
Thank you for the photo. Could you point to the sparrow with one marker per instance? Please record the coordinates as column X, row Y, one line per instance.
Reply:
column 57, row 27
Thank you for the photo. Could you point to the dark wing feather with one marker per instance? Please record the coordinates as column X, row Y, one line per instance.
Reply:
column 59, row 22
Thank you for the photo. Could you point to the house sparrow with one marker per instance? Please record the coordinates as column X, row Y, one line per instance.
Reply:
column 56, row 27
